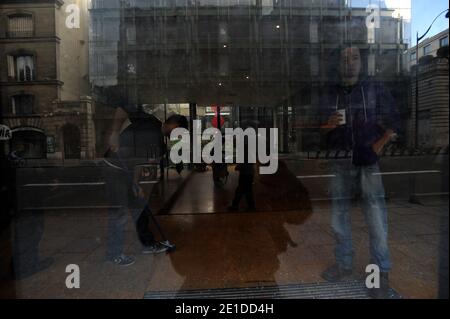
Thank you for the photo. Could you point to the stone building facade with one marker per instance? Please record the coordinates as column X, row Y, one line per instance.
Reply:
column 427, row 47
column 433, row 103
column 44, row 79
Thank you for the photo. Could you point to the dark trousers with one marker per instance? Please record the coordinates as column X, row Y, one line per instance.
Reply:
column 245, row 188
column 123, row 201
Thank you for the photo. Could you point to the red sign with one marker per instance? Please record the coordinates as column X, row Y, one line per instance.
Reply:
column 214, row 119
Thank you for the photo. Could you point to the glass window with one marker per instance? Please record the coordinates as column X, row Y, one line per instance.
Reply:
column 427, row 49
column 21, row 68
column 22, row 104
column 20, row 26
column 323, row 91
column 25, row 68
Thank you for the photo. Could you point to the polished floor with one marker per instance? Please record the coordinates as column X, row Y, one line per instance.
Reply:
column 288, row 240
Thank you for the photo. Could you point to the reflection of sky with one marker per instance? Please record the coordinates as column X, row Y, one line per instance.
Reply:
column 420, row 12
column 423, row 14
column 401, row 7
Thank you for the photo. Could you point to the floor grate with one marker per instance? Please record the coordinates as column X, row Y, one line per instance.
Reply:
column 341, row 290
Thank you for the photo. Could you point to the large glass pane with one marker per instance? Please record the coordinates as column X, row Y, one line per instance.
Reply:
column 287, row 148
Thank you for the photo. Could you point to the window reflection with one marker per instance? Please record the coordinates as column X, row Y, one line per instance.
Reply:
column 362, row 119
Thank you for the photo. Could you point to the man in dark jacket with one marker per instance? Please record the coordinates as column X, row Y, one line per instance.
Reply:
column 358, row 116
column 142, row 140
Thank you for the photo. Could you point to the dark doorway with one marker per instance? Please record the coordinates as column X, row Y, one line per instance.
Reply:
column 72, row 142
column 29, row 143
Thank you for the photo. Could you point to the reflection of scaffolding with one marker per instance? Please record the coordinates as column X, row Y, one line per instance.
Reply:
column 221, row 52
column 127, row 53
column 273, row 54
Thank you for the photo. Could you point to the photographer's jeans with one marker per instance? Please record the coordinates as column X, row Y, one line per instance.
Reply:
column 117, row 221
column 367, row 183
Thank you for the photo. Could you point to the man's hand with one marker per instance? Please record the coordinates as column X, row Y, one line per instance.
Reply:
column 379, row 145
column 333, row 121
column 138, row 191
column 114, row 142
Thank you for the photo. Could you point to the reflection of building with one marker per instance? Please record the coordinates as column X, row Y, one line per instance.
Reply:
column 44, row 85
column 429, row 46
column 266, row 58
column 433, row 99
column 433, row 102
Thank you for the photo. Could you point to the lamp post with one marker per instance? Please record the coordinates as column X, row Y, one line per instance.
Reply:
column 416, row 140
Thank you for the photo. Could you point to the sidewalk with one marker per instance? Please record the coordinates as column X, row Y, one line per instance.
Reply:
column 216, row 249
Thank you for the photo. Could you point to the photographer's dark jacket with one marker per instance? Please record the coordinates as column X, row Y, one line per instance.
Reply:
column 370, row 111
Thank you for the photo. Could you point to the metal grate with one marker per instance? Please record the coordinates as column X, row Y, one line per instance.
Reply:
column 341, row 290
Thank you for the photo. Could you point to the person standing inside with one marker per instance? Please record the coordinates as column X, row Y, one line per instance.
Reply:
column 246, row 180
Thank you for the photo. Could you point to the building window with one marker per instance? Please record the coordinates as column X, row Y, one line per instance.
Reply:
column 20, row 26
column 413, row 56
column 22, row 104
column 21, row 68
column 443, row 42
column 427, row 49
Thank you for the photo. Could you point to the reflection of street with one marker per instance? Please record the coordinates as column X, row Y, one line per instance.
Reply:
column 403, row 176
column 82, row 186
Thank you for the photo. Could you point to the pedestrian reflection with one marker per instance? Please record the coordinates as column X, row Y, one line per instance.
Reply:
column 142, row 141
column 246, row 172
column 28, row 227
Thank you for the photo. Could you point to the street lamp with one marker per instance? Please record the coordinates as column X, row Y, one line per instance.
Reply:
column 416, row 142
